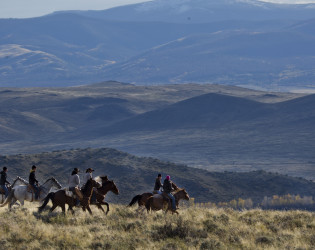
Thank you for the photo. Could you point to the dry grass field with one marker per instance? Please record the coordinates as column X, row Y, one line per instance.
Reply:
column 124, row 228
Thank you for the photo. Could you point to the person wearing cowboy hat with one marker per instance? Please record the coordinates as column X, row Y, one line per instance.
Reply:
column 87, row 176
column 74, row 182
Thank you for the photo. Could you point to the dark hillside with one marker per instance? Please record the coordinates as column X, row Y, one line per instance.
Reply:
column 134, row 175
column 205, row 111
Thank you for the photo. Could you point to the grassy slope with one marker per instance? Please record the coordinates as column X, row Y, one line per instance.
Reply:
column 134, row 175
column 123, row 228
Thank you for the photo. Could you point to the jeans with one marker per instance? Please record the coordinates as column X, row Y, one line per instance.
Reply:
column 157, row 191
column 36, row 191
column 173, row 200
column 6, row 191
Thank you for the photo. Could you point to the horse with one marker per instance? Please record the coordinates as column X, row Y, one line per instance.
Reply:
column 18, row 181
column 142, row 198
column 98, row 197
column 60, row 198
column 156, row 202
column 21, row 193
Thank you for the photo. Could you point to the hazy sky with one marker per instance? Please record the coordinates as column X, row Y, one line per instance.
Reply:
column 31, row 8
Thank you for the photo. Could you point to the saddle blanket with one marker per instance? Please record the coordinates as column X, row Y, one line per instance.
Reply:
column 68, row 192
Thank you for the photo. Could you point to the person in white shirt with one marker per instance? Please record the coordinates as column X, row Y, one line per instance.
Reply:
column 87, row 176
column 74, row 182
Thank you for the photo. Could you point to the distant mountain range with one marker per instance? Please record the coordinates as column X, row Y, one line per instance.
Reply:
column 214, row 127
column 246, row 43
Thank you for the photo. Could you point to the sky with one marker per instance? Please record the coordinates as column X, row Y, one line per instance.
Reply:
column 34, row 8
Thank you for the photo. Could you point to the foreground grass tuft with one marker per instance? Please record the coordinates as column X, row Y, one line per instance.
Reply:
column 124, row 228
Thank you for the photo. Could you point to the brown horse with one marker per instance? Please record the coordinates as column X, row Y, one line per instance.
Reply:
column 60, row 198
column 142, row 198
column 157, row 202
column 99, row 196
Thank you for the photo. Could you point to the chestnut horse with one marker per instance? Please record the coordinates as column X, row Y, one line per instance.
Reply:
column 99, row 196
column 157, row 201
column 60, row 198
column 142, row 198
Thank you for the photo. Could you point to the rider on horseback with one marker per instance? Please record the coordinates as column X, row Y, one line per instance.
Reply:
column 74, row 182
column 167, row 188
column 87, row 176
column 4, row 181
column 33, row 182
column 158, row 185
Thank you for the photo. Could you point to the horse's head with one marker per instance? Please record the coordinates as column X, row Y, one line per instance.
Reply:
column 51, row 182
column 182, row 194
column 113, row 187
column 55, row 183
column 19, row 181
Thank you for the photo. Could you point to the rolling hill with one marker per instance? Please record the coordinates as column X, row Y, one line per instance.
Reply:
column 135, row 175
column 218, row 128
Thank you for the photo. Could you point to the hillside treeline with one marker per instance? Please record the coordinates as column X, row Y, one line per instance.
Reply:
column 276, row 202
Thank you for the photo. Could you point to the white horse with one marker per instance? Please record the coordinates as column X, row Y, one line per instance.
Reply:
column 21, row 193
column 18, row 181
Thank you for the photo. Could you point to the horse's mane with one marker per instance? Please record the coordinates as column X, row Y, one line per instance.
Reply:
column 179, row 190
column 98, row 178
column 86, row 185
column 18, row 178
column 54, row 180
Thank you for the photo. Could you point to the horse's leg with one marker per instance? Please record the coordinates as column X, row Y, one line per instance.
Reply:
column 107, row 205
column 63, row 208
column 89, row 209
column 12, row 203
column 53, row 207
column 22, row 202
column 99, row 206
column 70, row 208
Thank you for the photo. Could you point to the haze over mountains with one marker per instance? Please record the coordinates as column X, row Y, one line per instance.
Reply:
column 248, row 43
column 206, row 126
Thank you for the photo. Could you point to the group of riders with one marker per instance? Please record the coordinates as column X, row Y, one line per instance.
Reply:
column 74, row 183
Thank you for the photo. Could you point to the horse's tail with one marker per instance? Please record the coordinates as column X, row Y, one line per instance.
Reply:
column 8, row 199
column 135, row 199
column 50, row 196
column 148, row 203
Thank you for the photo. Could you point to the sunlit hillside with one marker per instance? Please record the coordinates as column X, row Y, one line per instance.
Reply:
column 124, row 228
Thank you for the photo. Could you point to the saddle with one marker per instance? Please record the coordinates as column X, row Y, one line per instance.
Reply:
column 74, row 194
column 30, row 189
column 68, row 192
column 165, row 197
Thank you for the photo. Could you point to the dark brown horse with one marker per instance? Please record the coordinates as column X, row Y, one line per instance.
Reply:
column 157, row 202
column 142, row 198
column 99, row 196
column 60, row 198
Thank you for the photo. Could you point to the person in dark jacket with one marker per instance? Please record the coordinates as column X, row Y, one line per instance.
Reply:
column 167, row 188
column 158, row 185
column 33, row 182
column 3, row 181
